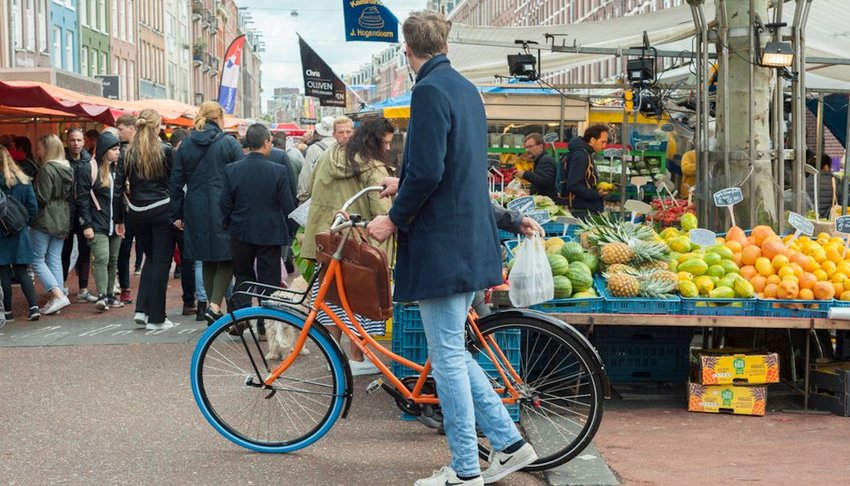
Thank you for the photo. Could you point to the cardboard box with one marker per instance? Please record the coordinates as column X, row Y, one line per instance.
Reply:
column 738, row 400
column 829, row 388
column 726, row 367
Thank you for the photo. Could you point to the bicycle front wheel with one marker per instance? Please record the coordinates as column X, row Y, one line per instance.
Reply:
column 229, row 367
column 560, row 386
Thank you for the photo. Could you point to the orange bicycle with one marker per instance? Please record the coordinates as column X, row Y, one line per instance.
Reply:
column 550, row 377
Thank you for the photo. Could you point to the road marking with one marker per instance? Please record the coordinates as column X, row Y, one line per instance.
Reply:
column 186, row 331
column 42, row 330
column 100, row 330
column 57, row 333
column 122, row 333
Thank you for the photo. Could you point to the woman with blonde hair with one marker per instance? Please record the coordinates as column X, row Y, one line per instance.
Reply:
column 16, row 249
column 53, row 184
column 199, row 166
column 101, row 213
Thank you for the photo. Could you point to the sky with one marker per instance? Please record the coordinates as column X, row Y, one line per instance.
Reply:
column 321, row 24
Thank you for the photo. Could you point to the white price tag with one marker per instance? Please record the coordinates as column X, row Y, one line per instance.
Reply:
column 702, row 237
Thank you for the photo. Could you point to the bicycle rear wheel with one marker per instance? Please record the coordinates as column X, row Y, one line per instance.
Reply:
column 227, row 381
column 561, row 389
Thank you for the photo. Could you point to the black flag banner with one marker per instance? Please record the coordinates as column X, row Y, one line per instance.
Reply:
column 319, row 79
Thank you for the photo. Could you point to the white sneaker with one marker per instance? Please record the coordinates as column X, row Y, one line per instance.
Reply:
column 140, row 318
column 502, row 464
column 55, row 305
column 159, row 327
column 362, row 368
column 447, row 477
column 86, row 296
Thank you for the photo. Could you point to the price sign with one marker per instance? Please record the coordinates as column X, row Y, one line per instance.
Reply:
column 637, row 207
column 522, row 204
column 550, row 137
column 728, row 197
column 702, row 237
column 540, row 215
column 842, row 225
column 801, row 224
column 612, row 152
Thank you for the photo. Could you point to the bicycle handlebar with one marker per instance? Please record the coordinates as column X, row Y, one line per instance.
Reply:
column 340, row 222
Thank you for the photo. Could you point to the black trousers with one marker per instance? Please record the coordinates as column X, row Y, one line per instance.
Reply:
column 153, row 232
column 187, row 271
column 124, row 253
column 24, row 279
column 268, row 267
column 83, row 264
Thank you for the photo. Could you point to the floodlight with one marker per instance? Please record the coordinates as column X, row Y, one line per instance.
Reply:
column 776, row 54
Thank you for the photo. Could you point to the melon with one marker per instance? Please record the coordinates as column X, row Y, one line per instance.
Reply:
column 580, row 279
column 558, row 264
column 581, row 267
column 572, row 251
column 563, row 287
column 591, row 260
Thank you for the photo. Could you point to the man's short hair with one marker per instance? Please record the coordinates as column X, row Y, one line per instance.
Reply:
column 126, row 120
column 256, row 136
column 177, row 136
column 595, row 131
column 92, row 134
column 538, row 139
column 426, row 33
column 342, row 120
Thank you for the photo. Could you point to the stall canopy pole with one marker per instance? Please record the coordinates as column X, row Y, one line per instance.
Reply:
column 778, row 123
column 751, row 148
column 846, row 180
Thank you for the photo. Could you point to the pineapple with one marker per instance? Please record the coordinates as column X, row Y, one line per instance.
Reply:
column 666, row 275
column 617, row 253
column 622, row 285
column 649, row 251
column 619, row 267
column 695, row 399
column 654, row 265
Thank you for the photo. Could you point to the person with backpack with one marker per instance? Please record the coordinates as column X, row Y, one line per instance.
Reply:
column 101, row 213
column 199, row 165
column 15, row 246
column 146, row 169
column 580, row 175
column 53, row 185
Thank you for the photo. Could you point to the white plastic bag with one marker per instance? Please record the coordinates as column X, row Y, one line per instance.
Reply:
column 530, row 278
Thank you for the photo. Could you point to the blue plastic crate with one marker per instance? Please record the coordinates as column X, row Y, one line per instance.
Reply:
column 645, row 361
column 788, row 308
column 718, row 307
column 555, row 229
column 591, row 305
column 636, row 305
column 506, row 235
column 642, row 334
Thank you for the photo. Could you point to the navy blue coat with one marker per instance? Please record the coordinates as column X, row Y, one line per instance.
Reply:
column 447, row 238
column 580, row 178
column 17, row 249
column 279, row 156
column 256, row 201
column 199, row 165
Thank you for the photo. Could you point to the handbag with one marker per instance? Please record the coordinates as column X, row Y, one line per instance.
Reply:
column 15, row 218
column 365, row 274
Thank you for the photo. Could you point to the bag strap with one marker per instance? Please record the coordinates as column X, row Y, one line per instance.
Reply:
column 834, row 198
column 93, row 165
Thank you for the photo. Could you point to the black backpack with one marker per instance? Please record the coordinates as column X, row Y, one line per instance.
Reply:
column 14, row 217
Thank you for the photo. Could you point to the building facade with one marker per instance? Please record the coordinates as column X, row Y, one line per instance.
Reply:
column 123, row 29
column 204, row 50
column 178, row 53
column 64, row 31
column 94, row 37
column 27, row 40
column 151, row 49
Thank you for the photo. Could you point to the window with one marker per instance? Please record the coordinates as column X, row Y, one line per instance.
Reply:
column 124, row 83
column 69, row 50
column 101, row 16
column 57, row 47
column 30, row 25
column 122, row 18
column 43, row 41
column 84, row 13
column 132, row 27
column 84, row 57
column 131, row 82
column 93, row 69
column 17, row 25
column 114, row 18
column 104, row 64
column 115, row 62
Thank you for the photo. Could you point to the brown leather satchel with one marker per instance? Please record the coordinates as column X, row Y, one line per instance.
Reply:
column 365, row 274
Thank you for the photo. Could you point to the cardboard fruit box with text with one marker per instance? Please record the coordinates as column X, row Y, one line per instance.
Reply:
column 732, row 399
column 734, row 366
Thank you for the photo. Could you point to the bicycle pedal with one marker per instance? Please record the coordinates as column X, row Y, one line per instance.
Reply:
column 374, row 386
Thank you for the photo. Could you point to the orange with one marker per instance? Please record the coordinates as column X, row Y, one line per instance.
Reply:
column 819, row 255
column 838, row 278
column 761, row 232
column 764, row 267
column 807, row 294
column 829, row 267
column 738, row 258
column 774, row 279
column 824, row 291
column 750, row 241
column 843, row 267
column 736, row 234
column 771, row 247
column 807, row 281
column 759, row 282
column 798, row 270
column 839, row 288
column 735, row 246
column 748, row 271
column 785, row 272
column 845, row 296
column 770, row 291
column 791, row 278
column 750, row 254
column 834, row 255
column 811, row 265
column 779, row 261
column 821, row 275
column 719, row 240
column 800, row 259
column 787, row 289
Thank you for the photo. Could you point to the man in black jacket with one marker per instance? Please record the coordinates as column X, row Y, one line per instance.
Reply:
column 78, row 157
column 545, row 172
column 256, row 200
column 580, row 175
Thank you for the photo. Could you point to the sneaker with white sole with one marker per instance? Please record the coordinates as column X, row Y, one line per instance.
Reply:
column 102, row 304
column 140, row 318
column 86, row 296
column 55, row 305
column 362, row 368
column 448, row 477
column 159, row 326
column 502, row 463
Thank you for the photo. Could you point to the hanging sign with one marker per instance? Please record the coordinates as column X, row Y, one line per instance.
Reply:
column 369, row 20
column 319, row 79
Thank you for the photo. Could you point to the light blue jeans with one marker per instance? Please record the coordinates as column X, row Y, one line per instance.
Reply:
column 466, row 395
column 47, row 259
column 200, row 292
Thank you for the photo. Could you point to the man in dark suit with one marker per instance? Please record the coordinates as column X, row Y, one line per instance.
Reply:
column 256, row 199
column 442, row 198
column 542, row 178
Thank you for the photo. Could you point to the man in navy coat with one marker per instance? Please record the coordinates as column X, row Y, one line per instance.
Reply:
column 255, row 202
column 448, row 248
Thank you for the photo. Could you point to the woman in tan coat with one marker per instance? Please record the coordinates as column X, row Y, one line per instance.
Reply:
column 340, row 173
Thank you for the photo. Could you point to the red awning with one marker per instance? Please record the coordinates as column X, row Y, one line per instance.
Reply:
column 35, row 95
column 290, row 129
